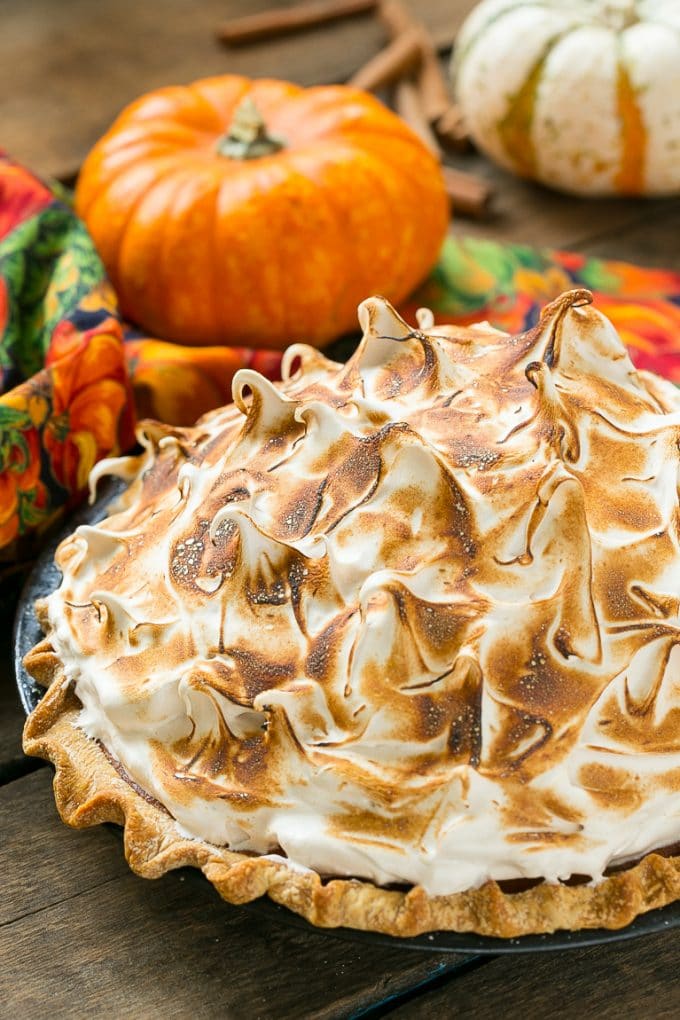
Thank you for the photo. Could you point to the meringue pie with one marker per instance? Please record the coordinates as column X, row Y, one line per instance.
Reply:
column 394, row 641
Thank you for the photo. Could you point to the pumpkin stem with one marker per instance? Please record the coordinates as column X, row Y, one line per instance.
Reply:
column 247, row 136
column 620, row 14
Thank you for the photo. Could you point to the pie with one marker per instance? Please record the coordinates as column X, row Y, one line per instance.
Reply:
column 394, row 641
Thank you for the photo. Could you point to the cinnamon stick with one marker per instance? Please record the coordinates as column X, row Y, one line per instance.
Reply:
column 469, row 195
column 282, row 21
column 396, row 17
column 435, row 95
column 408, row 106
column 432, row 84
column 452, row 130
column 397, row 59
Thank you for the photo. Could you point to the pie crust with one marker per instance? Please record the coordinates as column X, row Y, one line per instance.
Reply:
column 90, row 790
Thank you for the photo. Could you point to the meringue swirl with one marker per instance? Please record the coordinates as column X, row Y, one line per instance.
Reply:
column 413, row 619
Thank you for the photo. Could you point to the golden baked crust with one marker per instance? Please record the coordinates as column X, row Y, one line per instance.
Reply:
column 90, row 789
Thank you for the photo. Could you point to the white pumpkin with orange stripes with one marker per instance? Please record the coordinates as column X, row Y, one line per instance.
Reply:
column 583, row 95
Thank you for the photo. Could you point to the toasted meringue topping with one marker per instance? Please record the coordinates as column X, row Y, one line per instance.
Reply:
column 413, row 618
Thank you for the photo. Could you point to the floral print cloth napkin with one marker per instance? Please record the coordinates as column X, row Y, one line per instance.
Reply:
column 74, row 376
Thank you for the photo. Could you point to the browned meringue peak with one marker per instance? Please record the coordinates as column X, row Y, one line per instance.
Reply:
column 412, row 618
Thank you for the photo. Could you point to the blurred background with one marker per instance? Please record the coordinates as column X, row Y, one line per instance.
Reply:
column 68, row 68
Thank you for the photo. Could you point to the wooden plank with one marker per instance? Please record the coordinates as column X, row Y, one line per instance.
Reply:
column 42, row 861
column 67, row 69
column 654, row 241
column 528, row 213
column 103, row 941
column 637, row 978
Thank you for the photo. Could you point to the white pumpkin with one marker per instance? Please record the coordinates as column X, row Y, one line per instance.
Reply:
column 583, row 95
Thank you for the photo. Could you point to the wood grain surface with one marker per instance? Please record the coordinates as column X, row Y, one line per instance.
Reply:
column 68, row 68
column 622, row 981
column 108, row 942
column 530, row 214
column 80, row 936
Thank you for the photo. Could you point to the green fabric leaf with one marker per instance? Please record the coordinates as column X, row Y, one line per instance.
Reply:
column 49, row 263
column 30, row 515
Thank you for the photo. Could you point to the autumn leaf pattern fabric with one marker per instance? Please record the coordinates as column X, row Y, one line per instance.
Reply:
column 65, row 398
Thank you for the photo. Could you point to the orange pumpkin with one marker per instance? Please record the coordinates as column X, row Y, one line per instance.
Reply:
column 258, row 212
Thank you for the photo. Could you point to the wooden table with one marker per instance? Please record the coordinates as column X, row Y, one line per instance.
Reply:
column 80, row 935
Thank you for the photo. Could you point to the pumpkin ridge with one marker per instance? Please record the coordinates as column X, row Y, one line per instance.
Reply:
column 386, row 131
column 191, row 109
column 400, row 262
column 365, row 111
column 631, row 174
column 164, row 132
column 337, row 212
column 184, row 179
column 281, row 290
column 261, row 186
column 168, row 153
column 175, row 171
column 365, row 144
column 184, row 107
column 102, row 195
column 214, row 247
column 320, row 99
column 515, row 130
column 204, row 89
column 335, row 202
column 461, row 52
